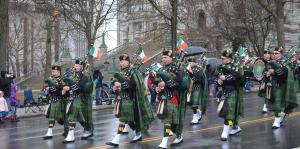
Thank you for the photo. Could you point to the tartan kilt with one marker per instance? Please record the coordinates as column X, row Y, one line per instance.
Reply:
column 126, row 111
column 297, row 85
column 235, row 106
column 56, row 110
column 172, row 113
column 76, row 113
column 277, row 99
column 196, row 97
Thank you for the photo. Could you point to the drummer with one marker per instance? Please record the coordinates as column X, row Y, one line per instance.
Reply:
column 266, row 59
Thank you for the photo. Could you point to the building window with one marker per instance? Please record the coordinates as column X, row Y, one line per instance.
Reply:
column 201, row 19
column 154, row 26
column 137, row 27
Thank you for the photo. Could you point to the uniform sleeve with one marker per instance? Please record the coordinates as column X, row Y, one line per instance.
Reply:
column 281, row 72
column 232, row 78
column 197, row 76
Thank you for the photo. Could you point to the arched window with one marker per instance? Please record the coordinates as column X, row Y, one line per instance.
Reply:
column 201, row 19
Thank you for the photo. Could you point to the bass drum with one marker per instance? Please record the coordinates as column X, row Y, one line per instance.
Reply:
column 258, row 68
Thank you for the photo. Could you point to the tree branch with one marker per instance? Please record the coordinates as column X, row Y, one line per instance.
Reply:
column 156, row 7
column 267, row 8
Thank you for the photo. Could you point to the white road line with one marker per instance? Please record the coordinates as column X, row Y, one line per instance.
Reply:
column 3, row 129
column 21, row 139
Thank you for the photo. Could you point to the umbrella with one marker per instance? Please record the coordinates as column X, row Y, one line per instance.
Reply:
column 213, row 63
column 194, row 50
column 98, row 66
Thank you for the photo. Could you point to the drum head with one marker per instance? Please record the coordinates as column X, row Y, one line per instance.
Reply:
column 258, row 68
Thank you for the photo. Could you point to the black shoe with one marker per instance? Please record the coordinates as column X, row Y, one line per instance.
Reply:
column 85, row 138
column 191, row 123
column 47, row 137
column 223, row 139
column 175, row 144
column 64, row 134
column 124, row 133
column 66, row 142
column 200, row 119
column 112, row 144
column 134, row 141
column 264, row 112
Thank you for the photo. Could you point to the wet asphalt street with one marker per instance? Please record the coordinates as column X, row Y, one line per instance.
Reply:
column 256, row 132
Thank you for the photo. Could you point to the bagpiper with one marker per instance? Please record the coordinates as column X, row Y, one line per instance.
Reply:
column 55, row 111
column 282, row 91
column 87, row 106
column 77, row 85
column 230, row 80
column 293, row 58
column 197, row 96
column 132, row 105
column 169, row 88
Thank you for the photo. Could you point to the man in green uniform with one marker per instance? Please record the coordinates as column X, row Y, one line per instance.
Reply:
column 283, row 90
column 295, row 68
column 87, row 105
column 231, row 81
column 197, row 96
column 76, row 85
column 55, row 109
column 171, row 108
column 132, row 105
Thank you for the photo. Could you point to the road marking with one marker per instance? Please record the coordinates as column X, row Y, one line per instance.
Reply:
column 3, row 129
column 200, row 130
column 57, row 134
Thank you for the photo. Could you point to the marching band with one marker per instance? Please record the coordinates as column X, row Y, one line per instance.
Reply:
column 178, row 84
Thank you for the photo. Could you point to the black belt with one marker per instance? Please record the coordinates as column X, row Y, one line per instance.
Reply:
column 54, row 98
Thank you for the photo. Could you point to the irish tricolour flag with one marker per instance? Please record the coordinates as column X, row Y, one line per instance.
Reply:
column 181, row 45
column 243, row 52
column 142, row 55
column 95, row 53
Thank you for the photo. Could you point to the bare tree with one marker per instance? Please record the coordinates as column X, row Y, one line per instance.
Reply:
column 19, row 38
column 88, row 17
column 170, row 15
column 241, row 21
column 3, row 32
column 276, row 9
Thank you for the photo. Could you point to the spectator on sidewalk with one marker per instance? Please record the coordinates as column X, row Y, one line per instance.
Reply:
column 5, row 85
column 3, row 108
column 14, row 102
column 98, row 77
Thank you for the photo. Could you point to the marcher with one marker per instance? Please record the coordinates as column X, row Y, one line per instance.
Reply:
column 78, row 84
column 56, row 109
column 171, row 106
column 132, row 106
column 231, row 82
column 282, row 90
column 198, row 90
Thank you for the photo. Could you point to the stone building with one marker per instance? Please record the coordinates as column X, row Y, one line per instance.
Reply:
column 137, row 20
